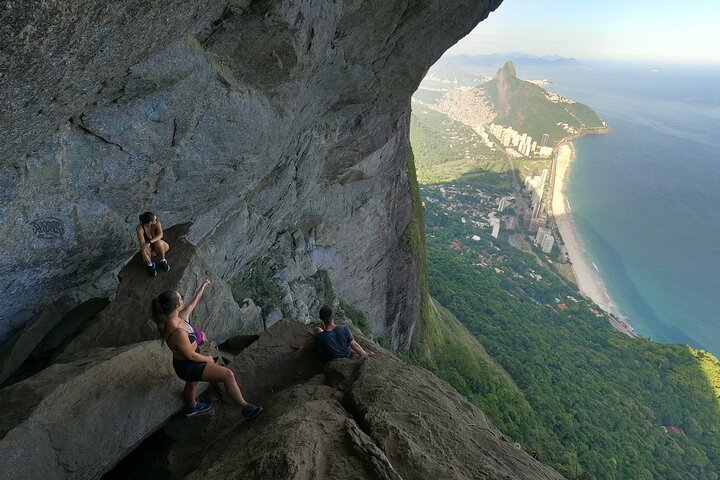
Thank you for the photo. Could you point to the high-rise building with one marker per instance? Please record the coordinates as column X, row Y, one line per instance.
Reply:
column 547, row 243
column 503, row 204
column 537, row 222
column 495, row 224
column 529, row 183
column 505, row 138
column 545, row 151
column 527, row 218
column 542, row 232
column 545, row 140
column 510, row 222
column 536, row 198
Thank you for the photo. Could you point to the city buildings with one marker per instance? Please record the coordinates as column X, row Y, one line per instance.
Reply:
column 547, row 244
column 545, row 151
column 503, row 203
column 545, row 140
column 522, row 142
column 536, row 186
column 495, row 224
column 510, row 221
column 542, row 231
column 545, row 239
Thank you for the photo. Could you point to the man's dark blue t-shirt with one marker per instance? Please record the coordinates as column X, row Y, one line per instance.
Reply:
column 334, row 343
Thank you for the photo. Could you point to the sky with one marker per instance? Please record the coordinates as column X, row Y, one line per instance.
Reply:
column 661, row 30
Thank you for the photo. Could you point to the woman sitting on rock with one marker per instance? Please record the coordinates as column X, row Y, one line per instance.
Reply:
column 150, row 236
column 172, row 317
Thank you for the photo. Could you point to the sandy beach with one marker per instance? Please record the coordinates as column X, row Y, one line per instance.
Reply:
column 588, row 278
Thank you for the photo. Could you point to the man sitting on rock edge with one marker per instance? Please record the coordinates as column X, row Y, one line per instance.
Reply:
column 332, row 341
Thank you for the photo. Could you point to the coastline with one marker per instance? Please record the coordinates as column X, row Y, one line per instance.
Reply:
column 588, row 278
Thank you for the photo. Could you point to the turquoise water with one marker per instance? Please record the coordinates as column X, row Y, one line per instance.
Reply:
column 646, row 196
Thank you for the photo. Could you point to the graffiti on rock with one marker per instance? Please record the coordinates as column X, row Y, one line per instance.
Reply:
column 48, row 228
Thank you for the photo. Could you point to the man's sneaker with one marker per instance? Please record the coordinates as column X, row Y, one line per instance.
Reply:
column 199, row 407
column 152, row 270
column 250, row 410
column 164, row 265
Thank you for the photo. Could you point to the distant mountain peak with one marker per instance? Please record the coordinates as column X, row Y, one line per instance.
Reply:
column 505, row 77
column 507, row 70
column 530, row 109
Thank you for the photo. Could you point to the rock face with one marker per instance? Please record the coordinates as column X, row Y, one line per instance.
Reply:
column 266, row 133
column 251, row 120
column 505, row 76
column 76, row 420
column 127, row 319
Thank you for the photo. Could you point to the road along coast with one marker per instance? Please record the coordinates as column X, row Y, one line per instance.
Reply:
column 588, row 278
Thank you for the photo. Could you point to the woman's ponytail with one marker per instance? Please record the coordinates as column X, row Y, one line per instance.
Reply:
column 162, row 306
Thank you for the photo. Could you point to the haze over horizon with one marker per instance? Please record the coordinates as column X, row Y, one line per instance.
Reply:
column 661, row 31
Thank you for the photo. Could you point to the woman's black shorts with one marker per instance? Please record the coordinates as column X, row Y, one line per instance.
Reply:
column 188, row 370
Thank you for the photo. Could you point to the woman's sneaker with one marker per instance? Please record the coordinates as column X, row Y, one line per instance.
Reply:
column 164, row 265
column 250, row 410
column 199, row 407
column 152, row 270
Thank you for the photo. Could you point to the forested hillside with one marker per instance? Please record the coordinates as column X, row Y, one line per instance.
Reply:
column 581, row 397
column 517, row 339
column 531, row 109
column 447, row 150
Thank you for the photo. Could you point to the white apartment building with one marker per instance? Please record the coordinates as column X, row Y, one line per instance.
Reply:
column 547, row 243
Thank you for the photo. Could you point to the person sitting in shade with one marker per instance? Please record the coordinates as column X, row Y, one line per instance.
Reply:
column 332, row 341
column 150, row 236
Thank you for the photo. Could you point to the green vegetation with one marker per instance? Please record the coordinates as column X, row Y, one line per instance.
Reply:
column 413, row 242
column 448, row 151
column 259, row 286
column 355, row 315
column 517, row 339
column 346, row 313
column 457, row 357
column 583, row 398
column 531, row 167
column 530, row 110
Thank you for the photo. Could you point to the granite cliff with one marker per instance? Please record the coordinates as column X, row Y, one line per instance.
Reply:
column 277, row 130
column 271, row 138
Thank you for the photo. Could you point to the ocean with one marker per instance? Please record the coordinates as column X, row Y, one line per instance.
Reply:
column 646, row 196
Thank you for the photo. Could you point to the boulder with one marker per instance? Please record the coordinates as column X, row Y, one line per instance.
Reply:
column 374, row 418
column 425, row 428
column 128, row 318
column 46, row 333
column 76, row 420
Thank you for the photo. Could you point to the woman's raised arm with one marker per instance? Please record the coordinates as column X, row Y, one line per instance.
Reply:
column 188, row 309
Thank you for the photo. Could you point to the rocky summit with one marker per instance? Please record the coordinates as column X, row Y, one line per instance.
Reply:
column 270, row 137
column 373, row 418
